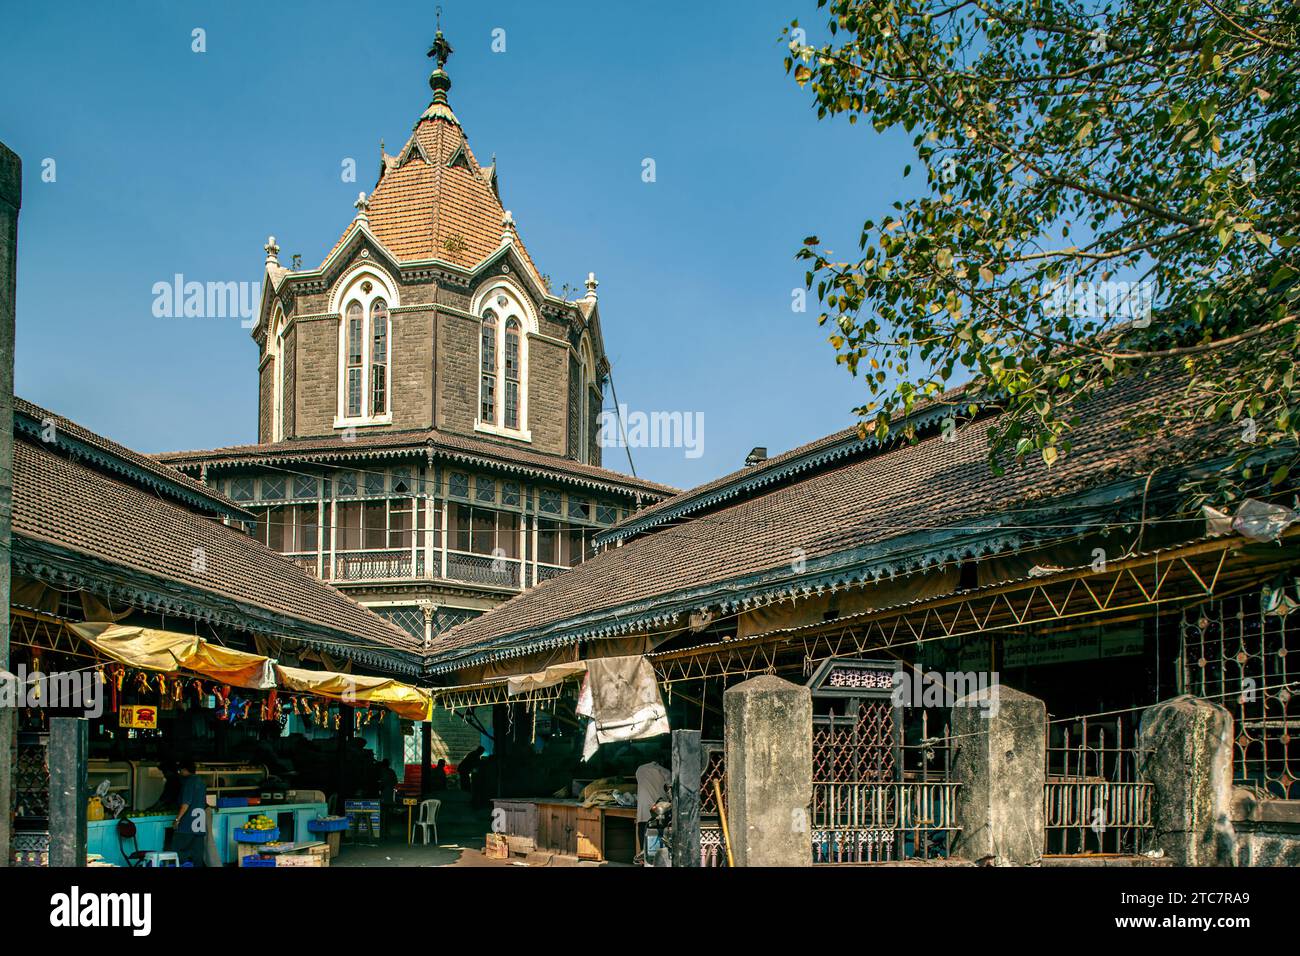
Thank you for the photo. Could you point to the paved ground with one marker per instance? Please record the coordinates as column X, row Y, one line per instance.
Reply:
column 460, row 840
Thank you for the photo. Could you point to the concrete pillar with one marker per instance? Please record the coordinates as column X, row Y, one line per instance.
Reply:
column 1185, row 752
column 69, row 744
column 1000, row 754
column 11, row 169
column 768, row 730
column 688, row 769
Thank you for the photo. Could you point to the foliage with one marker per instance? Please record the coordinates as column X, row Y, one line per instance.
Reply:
column 1109, row 187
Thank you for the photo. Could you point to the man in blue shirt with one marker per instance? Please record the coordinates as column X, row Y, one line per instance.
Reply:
column 191, row 834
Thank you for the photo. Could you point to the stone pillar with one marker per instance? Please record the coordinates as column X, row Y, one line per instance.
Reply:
column 687, row 770
column 1000, row 760
column 69, row 744
column 1185, row 751
column 769, row 772
column 11, row 169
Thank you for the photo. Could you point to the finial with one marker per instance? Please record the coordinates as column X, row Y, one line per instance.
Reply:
column 272, row 251
column 439, row 81
column 507, row 227
column 591, row 285
column 363, row 208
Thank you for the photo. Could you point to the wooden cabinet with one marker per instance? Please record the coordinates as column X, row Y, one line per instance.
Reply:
column 557, row 828
column 590, row 834
column 516, row 817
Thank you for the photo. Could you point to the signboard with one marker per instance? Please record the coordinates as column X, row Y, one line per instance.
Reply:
column 138, row 717
column 1084, row 644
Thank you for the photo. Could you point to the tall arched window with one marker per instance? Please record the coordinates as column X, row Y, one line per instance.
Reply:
column 488, row 369
column 511, row 416
column 586, row 401
column 354, row 359
column 379, row 357
column 504, row 324
column 365, row 301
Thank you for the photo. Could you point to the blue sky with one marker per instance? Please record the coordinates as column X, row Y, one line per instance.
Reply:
column 170, row 161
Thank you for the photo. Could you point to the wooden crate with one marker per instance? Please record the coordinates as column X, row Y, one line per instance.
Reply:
column 495, row 846
column 302, row 859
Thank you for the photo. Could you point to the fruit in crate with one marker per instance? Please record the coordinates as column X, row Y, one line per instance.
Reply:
column 260, row 822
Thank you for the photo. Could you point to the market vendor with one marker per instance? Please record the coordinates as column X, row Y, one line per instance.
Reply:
column 191, row 833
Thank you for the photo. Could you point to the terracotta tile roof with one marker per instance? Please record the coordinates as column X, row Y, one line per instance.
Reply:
column 436, row 202
column 862, row 503
column 185, row 486
column 813, row 454
column 63, row 503
column 501, row 454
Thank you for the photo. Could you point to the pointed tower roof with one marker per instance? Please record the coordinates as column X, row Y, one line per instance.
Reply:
column 433, row 200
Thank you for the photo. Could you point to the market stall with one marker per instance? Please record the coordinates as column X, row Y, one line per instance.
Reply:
column 277, row 739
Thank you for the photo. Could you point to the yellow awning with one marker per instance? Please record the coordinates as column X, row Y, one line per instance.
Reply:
column 168, row 651
column 402, row 699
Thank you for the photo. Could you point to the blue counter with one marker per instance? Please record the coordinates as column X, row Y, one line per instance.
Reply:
column 291, row 818
column 150, row 833
column 151, row 830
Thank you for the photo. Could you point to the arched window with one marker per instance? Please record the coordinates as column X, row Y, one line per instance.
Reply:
column 354, row 359
column 365, row 348
column 587, row 383
column 511, row 417
column 488, row 366
column 504, row 323
column 379, row 357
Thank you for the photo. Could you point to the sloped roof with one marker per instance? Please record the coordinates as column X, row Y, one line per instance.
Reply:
column 80, row 510
column 434, row 201
column 876, row 507
column 474, row 450
column 41, row 424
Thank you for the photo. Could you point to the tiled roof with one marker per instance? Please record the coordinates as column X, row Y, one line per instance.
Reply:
column 858, row 505
column 84, row 444
column 812, row 455
column 500, row 454
column 77, row 509
column 435, row 201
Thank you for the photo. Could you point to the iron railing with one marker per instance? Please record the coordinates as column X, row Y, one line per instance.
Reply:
column 1094, row 800
column 1244, row 653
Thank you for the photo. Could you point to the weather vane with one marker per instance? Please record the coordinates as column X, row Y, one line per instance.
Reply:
column 441, row 49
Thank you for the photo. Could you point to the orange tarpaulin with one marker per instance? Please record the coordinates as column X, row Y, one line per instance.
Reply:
column 402, row 699
column 167, row 651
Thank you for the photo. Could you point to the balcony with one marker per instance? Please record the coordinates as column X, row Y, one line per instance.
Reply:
column 383, row 565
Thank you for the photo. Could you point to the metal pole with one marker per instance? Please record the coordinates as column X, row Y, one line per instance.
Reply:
column 11, row 168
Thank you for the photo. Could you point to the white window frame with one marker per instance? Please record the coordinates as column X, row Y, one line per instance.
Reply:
column 518, row 307
column 277, row 375
column 587, row 377
column 351, row 290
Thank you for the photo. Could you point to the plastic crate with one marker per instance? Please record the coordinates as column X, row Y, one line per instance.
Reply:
column 256, row 836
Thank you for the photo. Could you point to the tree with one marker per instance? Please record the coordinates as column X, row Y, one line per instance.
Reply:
column 1108, row 187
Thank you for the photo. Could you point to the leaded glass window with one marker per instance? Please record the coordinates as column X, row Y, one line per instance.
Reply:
column 511, row 410
column 488, row 369
column 379, row 357
column 354, row 356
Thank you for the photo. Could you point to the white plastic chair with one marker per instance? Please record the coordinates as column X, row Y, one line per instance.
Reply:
column 428, row 817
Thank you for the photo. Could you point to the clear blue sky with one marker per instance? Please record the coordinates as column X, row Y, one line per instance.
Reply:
column 171, row 162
